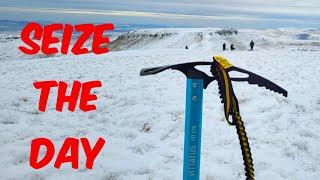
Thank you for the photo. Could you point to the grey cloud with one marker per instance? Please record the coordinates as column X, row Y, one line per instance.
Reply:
column 174, row 12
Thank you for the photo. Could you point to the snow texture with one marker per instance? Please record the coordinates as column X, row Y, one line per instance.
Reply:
column 142, row 118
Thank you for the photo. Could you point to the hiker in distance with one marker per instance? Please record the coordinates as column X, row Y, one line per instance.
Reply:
column 224, row 46
column 251, row 45
column 232, row 47
column 186, row 47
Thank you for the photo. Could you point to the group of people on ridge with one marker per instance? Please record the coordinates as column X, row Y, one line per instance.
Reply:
column 224, row 46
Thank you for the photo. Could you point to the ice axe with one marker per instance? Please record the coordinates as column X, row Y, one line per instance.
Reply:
column 196, row 82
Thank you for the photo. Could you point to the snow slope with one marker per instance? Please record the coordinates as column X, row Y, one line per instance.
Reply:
column 209, row 39
column 283, row 132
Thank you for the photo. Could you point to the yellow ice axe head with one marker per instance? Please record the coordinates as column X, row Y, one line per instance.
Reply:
column 225, row 63
column 220, row 69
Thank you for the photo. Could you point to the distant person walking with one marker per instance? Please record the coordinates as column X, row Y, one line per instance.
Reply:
column 224, row 46
column 186, row 47
column 251, row 45
column 232, row 47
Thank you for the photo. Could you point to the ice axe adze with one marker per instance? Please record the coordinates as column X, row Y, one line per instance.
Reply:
column 196, row 82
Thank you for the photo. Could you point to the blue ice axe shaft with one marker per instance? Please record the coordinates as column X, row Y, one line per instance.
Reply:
column 196, row 82
column 193, row 123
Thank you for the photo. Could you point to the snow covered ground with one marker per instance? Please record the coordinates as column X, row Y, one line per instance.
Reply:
column 283, row 132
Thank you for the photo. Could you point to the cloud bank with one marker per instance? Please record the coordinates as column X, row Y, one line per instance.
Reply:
column 245, row 13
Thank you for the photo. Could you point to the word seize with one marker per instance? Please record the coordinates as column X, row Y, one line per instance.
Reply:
column 46, row 36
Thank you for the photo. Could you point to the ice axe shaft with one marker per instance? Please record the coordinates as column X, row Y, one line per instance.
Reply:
column 192, row 132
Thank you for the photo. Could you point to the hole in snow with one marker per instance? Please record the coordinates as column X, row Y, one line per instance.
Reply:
column 235, row 74
column 205, row 69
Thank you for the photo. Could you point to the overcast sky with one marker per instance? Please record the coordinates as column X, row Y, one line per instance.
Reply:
column 198, row 13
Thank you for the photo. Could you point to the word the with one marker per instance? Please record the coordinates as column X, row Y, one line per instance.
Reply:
column 45, row 34
column 70, row 144
column 72, row 99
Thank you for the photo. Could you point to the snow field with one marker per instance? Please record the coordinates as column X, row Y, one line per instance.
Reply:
column 142, row 118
